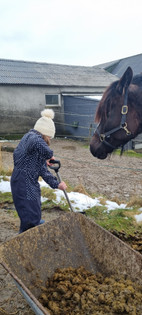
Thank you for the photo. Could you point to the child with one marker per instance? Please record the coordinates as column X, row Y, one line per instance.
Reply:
column 31, row 158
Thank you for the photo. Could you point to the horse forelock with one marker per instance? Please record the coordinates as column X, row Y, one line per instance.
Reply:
column 105, row 102
column 101, row 110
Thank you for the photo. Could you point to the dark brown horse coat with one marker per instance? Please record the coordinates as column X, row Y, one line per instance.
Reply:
column 119, row 115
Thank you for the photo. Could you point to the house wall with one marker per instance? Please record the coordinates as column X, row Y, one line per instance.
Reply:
column 20, row 107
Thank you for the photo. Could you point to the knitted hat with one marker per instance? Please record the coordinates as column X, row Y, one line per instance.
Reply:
column 45, row 124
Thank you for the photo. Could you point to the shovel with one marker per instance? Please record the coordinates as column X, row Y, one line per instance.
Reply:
column 56, row 169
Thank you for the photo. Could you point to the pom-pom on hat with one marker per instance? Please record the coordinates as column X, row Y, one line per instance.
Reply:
column 45, row 124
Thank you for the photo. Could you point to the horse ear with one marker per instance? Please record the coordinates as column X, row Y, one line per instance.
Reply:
column 125, row 80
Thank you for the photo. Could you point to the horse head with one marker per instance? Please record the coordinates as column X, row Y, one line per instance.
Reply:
column 117, row 115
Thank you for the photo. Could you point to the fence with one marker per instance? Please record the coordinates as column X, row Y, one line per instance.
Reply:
column 68, row 124
column 71, row 125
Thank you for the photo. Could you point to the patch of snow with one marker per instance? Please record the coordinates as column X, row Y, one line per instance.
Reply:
column 138, row 217
column 43, row 199
column 4, row 185
column 78, row 201
column 111, row 205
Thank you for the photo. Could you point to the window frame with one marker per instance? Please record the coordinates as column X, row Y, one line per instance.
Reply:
column 53, row 105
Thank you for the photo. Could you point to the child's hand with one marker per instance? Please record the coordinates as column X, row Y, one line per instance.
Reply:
column 62, row 186
column 48, row 161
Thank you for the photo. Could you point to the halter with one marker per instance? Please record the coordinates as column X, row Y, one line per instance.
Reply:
column 123, row 125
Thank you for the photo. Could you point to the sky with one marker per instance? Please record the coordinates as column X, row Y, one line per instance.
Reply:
column 73, row 32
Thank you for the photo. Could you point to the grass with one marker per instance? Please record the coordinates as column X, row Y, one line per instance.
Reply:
column 130, row 153
column 135, row 201
column 48, row 193
column 5, row 198
column 5, row 172
column 51, row 202
column 11, row 137
column 4, row 178
column 81, row 189
column 118, row 220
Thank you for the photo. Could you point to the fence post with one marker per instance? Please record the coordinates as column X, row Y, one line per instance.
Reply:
column 0, row 157
column 90, row 131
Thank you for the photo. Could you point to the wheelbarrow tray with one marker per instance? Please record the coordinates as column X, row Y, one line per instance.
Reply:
column 72, row 240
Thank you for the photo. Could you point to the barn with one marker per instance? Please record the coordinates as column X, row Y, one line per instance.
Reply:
column 26, row 88
column 118, row 67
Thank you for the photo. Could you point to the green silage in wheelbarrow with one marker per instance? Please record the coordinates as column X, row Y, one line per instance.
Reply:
column 72, row 240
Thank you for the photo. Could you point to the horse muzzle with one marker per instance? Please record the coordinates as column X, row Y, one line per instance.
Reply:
column 98, row 151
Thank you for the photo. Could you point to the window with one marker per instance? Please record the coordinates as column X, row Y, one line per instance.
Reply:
column 52, row 99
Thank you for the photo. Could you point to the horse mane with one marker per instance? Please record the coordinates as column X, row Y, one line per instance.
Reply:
column 104, row 103
column 137, row 79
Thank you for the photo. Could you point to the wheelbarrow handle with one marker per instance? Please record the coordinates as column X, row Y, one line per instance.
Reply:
column 55, row 167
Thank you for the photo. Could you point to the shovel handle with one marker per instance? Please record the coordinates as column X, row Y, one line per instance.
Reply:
column 55, row 167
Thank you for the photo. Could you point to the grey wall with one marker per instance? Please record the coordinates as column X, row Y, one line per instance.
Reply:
column 20, row 107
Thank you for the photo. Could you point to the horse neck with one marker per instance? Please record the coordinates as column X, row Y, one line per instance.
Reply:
column 135, row 99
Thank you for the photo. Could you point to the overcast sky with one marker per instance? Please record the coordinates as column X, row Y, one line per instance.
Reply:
column 73, row 32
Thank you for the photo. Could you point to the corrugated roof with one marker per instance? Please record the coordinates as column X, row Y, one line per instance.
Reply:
column 118, row 67
column 135, row 62
column 35, row 73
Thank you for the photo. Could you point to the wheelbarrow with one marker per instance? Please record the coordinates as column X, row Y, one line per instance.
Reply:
column 73, row 240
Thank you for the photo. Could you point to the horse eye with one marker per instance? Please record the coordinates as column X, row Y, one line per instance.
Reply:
column 108, row 112
column 109, row 109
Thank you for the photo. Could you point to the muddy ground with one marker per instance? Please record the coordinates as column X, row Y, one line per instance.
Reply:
column 116, row 177
column 113, row 177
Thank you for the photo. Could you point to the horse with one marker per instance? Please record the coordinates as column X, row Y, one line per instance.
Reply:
column 119, row 115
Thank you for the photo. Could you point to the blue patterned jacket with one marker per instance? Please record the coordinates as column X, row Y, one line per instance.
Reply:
column 30, row 162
